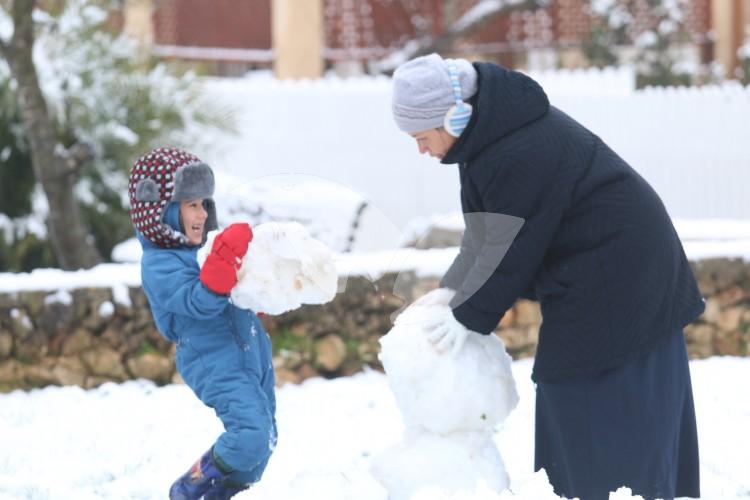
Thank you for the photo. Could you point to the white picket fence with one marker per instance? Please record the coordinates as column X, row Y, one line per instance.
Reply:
column 692, row 145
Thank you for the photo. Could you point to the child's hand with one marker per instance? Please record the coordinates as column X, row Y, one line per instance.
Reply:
column 219, row 271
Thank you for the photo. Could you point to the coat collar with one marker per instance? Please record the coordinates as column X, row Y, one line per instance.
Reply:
column 505, row 102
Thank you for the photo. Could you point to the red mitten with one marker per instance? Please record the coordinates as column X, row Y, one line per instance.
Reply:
column 219, row 271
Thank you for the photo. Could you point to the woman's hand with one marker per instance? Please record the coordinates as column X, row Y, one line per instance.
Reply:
column 446, row 333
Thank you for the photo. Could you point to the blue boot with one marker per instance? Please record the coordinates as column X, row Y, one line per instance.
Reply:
column 199, row 479
column 224, row 491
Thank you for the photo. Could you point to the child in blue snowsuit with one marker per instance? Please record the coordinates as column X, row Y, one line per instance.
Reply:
column 223, row 352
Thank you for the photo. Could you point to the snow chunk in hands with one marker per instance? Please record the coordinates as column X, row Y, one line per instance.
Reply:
column 284, row 268
column 472, row 391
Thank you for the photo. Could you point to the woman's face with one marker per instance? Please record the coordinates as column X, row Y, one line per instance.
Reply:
column 193, row 217
column 435, row 141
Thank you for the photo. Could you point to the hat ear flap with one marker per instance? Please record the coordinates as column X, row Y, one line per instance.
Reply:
column 147, row 190
column 211, row 220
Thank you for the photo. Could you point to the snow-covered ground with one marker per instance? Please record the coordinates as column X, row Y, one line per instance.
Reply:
column 131, row 440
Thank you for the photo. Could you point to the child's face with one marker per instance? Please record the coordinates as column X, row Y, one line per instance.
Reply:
column 193, row 217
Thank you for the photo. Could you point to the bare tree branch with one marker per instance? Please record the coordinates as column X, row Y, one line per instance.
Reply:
column 476, row 17
column 76, row 156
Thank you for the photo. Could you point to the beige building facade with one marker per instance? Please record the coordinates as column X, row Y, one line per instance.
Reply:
column 731, row 26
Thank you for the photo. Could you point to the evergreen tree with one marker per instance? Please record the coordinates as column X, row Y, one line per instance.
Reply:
column 103, row 92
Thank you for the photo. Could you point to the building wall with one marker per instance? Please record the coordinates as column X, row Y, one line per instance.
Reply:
column 371, row 29
column 236, row 24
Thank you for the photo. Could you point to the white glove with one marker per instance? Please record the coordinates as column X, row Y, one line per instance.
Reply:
column 446, row 333
column 437, row 297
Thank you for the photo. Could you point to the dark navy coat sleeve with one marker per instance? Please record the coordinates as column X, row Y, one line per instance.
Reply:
column 539, row 210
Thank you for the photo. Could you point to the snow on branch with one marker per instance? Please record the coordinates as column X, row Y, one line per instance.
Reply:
column 6, row 30
column 480, row 14
column 76, row 156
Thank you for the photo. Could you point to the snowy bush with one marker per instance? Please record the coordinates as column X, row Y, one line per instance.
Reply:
column 658, row 60
column 101, row 90
column 662, row 55
column 609, row 22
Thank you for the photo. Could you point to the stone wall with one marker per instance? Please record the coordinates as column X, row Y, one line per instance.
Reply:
column 85, row 338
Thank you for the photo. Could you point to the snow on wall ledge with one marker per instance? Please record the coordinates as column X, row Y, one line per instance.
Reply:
column 91, row 334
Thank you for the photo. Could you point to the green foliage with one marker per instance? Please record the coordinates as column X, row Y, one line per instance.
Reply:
column 20, row 249
column 744, row 69
column 25, row 252
column 352, row 344
column 146, row 347
column 16, row 175
column 285, row 340
column 109, row 222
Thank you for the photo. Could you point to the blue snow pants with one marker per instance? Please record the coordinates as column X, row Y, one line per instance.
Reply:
column 231, row 371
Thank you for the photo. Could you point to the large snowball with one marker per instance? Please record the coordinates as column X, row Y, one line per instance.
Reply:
column 284, row 268
column 473, row 391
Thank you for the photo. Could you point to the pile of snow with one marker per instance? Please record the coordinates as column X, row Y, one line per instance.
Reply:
column 450, row 406
column 284, row 268
column 329, row 430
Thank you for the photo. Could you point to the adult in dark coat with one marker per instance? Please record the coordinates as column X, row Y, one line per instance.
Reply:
column 553, row 214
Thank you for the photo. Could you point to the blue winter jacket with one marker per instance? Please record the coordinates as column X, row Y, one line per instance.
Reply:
column 596, row 248
column 223, row 352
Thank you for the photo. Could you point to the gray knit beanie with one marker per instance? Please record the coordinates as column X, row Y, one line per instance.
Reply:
column 422, row 91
